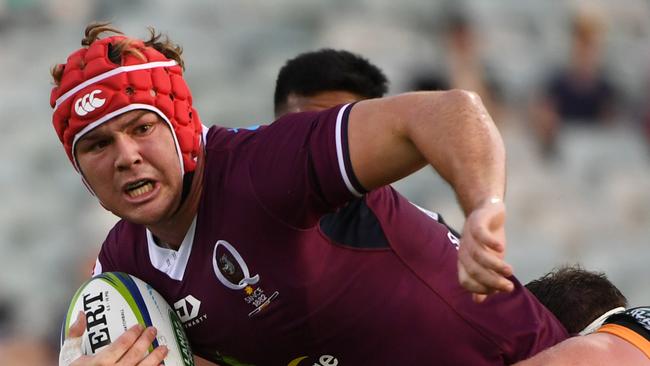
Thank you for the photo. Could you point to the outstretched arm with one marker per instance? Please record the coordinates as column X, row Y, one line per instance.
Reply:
column 390, row 138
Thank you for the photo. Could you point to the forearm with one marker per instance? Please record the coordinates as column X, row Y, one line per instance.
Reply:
column 392, row 137
column 463, row 145
column 451, row 131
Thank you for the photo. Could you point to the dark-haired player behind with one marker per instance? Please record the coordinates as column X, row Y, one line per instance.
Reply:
column 583, row 301
column 590, row 306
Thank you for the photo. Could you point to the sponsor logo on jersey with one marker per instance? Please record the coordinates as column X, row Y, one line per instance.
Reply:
column 232, row 272
column 453, row 239
column 187, row 310
column 88, row 103
column 642, row 316
column 324, row 360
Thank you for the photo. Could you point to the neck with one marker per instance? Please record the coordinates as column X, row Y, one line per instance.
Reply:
column 171, row 232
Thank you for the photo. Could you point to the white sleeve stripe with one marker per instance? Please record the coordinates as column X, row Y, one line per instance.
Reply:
column 431, row 214
column 339, row 152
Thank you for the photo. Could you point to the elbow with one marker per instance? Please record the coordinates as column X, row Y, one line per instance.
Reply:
column 464, row 99
column 468, row 107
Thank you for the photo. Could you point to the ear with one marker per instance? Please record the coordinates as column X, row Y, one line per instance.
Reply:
column 295, row 103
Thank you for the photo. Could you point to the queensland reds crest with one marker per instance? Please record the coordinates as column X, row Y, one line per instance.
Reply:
column 232, row 272
column 230, row 267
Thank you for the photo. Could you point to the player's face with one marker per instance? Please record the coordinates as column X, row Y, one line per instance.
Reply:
column 320, row 101
column 131, row 164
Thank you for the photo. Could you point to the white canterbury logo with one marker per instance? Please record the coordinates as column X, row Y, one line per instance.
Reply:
column 88, row 103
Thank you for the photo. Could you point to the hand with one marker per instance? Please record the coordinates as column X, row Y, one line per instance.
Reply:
column 129, row 349
column 481, row 266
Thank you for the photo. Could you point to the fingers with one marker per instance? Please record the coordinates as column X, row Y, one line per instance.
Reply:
column 139, row 348
column 479, row 298
column 483, row 263
column 114, row 351
column 81, row 361
column 487, row 226
column 156, row 357
column 488, row 236
column 70, row 351
column 129, row 349
column 484, row 273
column 481, row 267
column 483, row 282
column 71, row 348
column 483, row 270
column 77, row 328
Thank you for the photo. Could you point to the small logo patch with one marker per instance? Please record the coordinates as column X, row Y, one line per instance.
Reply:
column 324, row 360
column 88, row 103
column 232, row 272
column 185, row 312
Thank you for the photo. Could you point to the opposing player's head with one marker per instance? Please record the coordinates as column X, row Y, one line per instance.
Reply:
column 325, row 78
column 577, row 297
column 121, row 109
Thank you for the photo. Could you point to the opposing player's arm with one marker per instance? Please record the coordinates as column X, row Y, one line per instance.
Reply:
column 390, row 138
column 589, row 350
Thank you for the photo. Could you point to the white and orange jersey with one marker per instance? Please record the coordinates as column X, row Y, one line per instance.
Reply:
column 632, row 325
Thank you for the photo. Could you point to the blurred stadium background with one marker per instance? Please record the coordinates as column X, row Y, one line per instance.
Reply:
column 589, row 202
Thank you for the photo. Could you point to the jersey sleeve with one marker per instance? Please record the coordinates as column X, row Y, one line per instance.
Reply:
column 301, row 167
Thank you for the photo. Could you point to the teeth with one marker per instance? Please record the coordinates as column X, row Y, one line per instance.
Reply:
column 141, row 190
column 136, row 184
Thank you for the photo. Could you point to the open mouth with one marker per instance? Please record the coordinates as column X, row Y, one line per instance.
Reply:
column 139, row 188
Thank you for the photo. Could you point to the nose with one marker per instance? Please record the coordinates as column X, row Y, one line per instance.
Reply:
column 128, row 153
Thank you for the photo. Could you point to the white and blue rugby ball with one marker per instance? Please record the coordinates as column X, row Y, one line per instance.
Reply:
column 114, row 302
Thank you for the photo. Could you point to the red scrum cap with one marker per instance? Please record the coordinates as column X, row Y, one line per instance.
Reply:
column 93, row 89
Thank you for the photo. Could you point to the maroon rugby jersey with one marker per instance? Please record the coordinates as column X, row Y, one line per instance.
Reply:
column 267, row 276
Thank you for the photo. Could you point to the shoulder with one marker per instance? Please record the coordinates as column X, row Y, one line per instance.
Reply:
column 607, row 349
column 287, row 127
column 220, row 138
column 123, row 232
column 120, row 246
column 589, row 350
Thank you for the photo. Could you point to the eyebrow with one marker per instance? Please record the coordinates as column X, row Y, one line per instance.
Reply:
column 91, row 136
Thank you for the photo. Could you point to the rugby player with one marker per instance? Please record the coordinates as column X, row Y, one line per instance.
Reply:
column 582, row 300
column 590, row 306
column 224, row 222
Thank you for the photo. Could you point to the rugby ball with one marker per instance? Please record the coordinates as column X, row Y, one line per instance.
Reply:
column 114, row 302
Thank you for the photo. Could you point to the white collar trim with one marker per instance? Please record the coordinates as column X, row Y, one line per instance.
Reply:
column 169, row 261
column 593, row 326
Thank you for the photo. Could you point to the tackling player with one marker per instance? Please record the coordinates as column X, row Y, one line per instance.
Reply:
column 224, row 222
column 591, row 306
column 580, row 299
